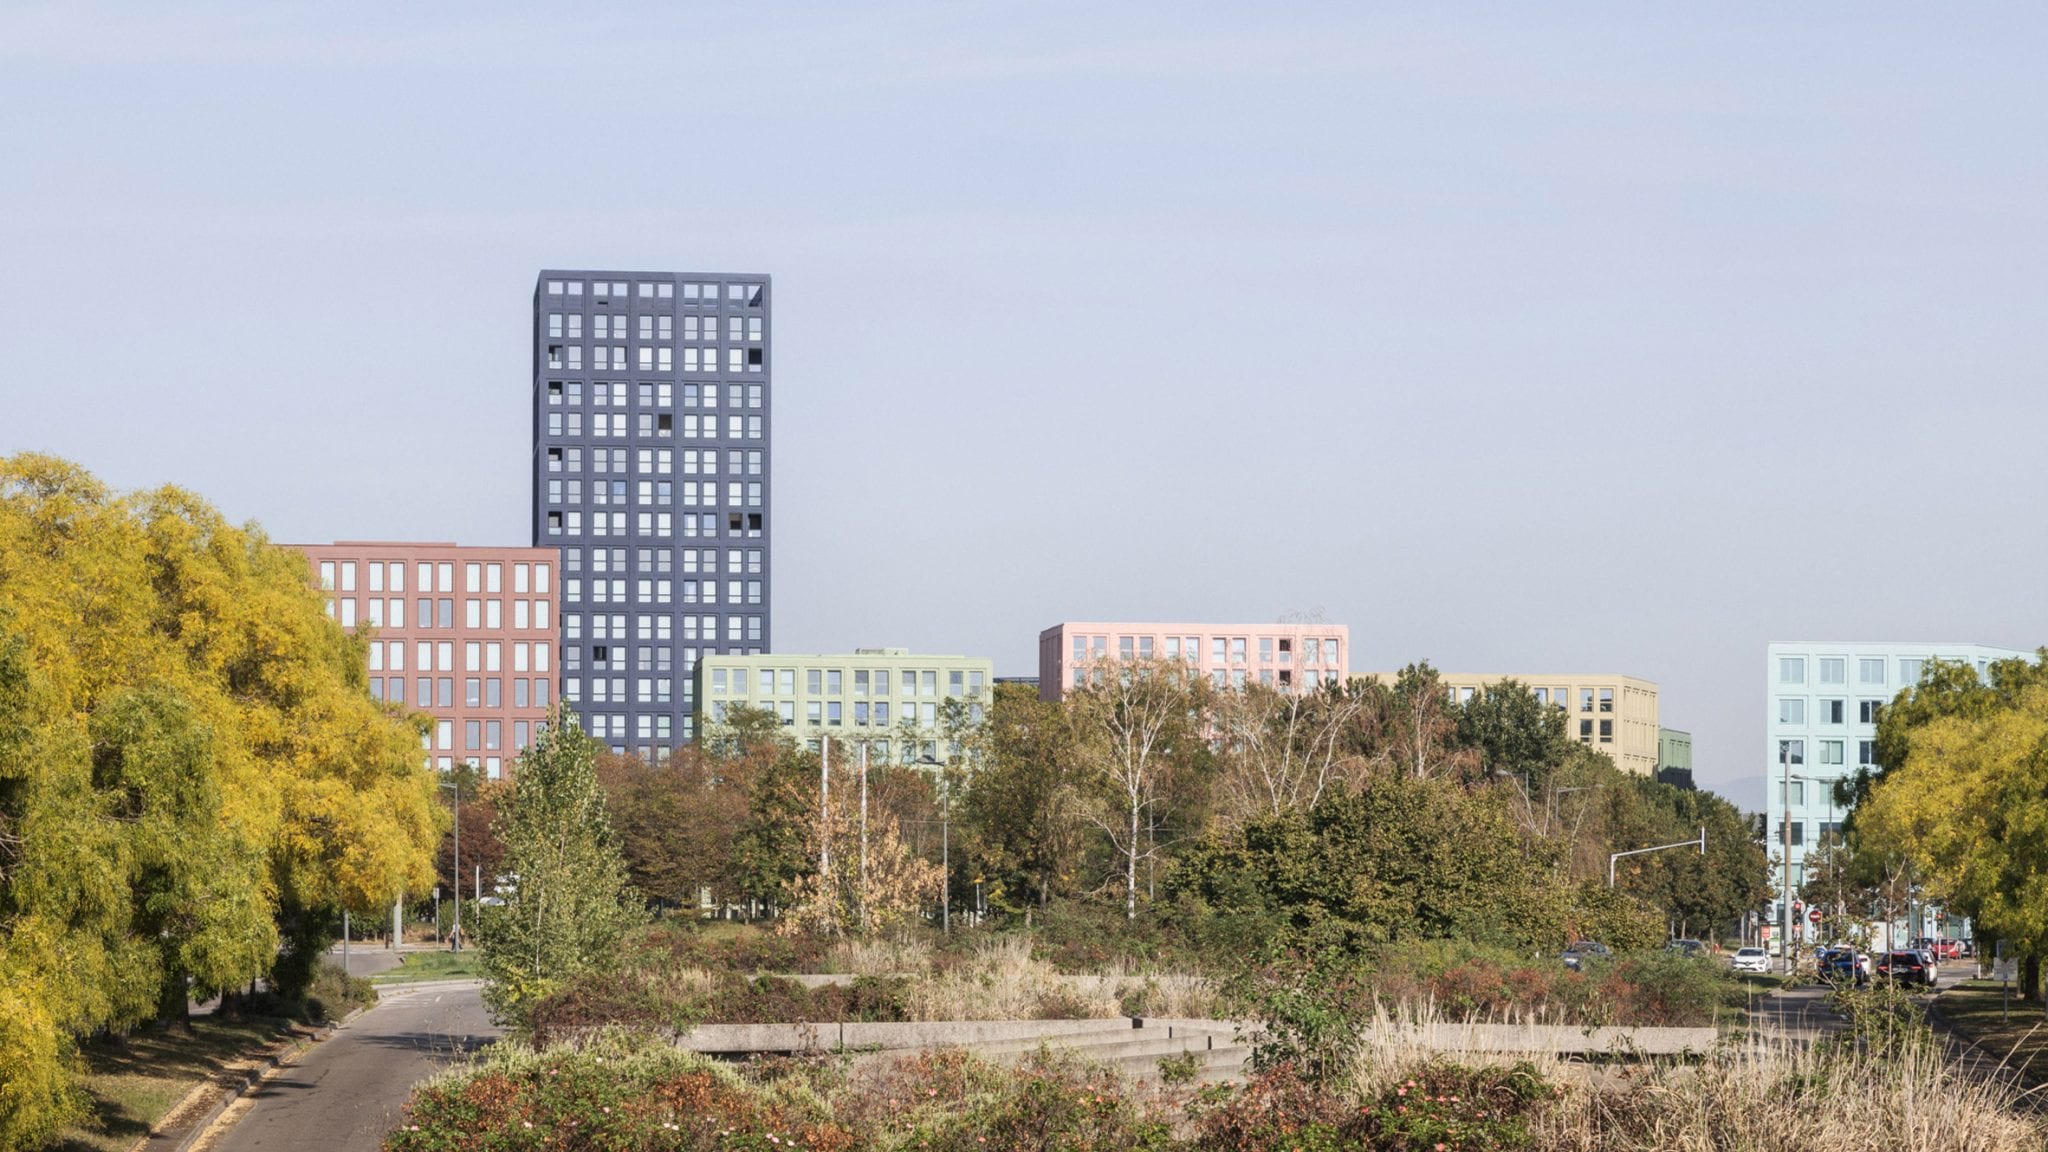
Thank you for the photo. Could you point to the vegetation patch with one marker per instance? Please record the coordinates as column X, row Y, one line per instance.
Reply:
column 442, row 965
column 132, row 1082
column 2011, row 1032
column 612, row 1094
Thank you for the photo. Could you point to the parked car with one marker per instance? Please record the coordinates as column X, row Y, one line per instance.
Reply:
column 1582, row 951
column 1904, row 967
column 1939, row 949
column 1750, row 960
column 1839, row 966
column 1692, row 949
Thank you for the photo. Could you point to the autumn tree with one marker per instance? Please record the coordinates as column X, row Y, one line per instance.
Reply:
column 192, row 774
column 1965, row 765
column 677, row 821
column 873, row 885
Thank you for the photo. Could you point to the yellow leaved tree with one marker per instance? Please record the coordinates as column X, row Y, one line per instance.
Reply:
column 192, row 776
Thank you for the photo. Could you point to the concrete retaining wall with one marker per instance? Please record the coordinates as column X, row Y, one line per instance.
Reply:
column 926, row 1034
column 1561, row 1039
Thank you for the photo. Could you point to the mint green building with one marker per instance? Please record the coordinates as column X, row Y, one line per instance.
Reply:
column 1674, row 750
column 896, row 701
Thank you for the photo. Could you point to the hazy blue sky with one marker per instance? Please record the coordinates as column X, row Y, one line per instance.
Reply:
column 1553, row 337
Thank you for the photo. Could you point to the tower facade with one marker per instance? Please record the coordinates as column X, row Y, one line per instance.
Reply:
column 652, row 399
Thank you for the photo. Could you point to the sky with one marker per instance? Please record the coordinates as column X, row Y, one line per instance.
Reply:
column 1621, row 338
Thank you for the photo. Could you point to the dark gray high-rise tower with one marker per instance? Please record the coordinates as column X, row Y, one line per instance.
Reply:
column 651, row 432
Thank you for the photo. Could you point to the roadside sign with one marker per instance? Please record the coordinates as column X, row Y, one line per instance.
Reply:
column 1814, row 915
column 2005, row 971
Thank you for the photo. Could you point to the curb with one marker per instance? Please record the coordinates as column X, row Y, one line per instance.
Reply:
column 186, row 1134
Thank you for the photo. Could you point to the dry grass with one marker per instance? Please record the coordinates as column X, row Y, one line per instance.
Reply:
column 879, row 957
column 1771, row 1094
column 1003, row 981
column 1763, row 1094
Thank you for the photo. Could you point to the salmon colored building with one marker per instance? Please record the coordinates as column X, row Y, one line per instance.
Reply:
column 1288, row 657
column 466, row 635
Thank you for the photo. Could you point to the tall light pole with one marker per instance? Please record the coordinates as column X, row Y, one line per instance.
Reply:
column 1785, row 831
column 945, row 843
column 1551, row 807
column 1614, row 858
column 863, row 837
column 1833, row 844
column 824, row 810
column 455, row 937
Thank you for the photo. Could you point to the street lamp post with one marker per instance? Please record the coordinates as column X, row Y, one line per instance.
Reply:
column 1550, row 808
column 945, row 843
column 1833, row 845
column 946, row 858
column 455, row 937
column 863, row 837
column 824, row 810
column 1614, row 858
column 1785, row 832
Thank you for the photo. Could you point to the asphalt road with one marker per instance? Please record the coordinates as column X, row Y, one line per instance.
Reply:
column 345, row 1093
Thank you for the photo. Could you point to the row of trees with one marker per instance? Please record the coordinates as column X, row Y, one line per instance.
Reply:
column 193, row 779
column 1129, row 788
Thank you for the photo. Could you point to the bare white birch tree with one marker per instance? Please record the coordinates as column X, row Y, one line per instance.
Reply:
column 1282, row 750
column 1132, row 723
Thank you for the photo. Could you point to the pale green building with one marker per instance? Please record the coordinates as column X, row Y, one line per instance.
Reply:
column 896, row 701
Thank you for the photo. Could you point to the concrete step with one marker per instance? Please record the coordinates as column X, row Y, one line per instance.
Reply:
column 1213, row 1066
column 1098, row 1046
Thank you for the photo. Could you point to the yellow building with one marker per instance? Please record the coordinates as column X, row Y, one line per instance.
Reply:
column 1612, row 714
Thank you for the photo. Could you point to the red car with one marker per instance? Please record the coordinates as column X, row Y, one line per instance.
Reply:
column 1942, row 949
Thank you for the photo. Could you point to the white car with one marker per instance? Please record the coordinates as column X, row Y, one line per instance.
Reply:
column 1750, row 960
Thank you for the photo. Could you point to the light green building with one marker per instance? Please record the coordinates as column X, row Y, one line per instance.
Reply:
column 1674, row 757
column 895, row 700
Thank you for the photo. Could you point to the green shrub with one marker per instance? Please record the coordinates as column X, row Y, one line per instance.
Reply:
column 334, row 995
column 1310, row 1008
column 1884, row 1021
column 609, row 1095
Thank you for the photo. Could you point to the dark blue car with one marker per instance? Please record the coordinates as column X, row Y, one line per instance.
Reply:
column 1838, row 966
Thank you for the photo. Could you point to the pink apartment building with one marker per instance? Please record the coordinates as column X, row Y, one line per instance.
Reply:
column 466, row 635
column 1289, row 657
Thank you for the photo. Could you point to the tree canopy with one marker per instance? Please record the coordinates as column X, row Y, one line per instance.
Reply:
column 192, row 775
column 1959, row 798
